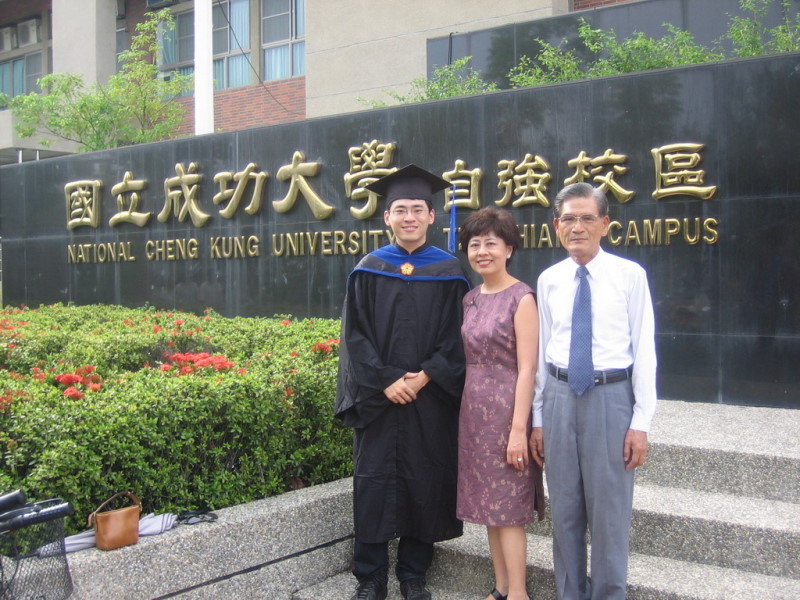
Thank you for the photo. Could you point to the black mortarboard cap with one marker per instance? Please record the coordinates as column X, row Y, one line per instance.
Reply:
column 410, row 182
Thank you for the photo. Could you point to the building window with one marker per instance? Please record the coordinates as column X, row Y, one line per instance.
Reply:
column 230, row 38
column 283, row 38
column 122, row 42
column 20, row 75
column 231, row 22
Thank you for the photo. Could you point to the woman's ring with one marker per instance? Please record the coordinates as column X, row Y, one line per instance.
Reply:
column 519, row 459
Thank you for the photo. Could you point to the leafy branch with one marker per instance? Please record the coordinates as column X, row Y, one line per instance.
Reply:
column 448, row 81
column 748, row 35
column 137, row 104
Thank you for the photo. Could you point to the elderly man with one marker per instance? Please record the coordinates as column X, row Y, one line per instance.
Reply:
column 401, row 372
column 595, row 396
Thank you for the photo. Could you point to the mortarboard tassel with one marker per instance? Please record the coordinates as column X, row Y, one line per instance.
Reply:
column 452, row 241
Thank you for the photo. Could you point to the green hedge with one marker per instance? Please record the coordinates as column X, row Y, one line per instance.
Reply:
column 186, row 411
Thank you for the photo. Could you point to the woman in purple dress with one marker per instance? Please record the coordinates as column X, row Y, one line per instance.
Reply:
column 499, row 486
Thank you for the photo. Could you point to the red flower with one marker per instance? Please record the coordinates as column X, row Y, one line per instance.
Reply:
column 165, row 367
column 294, row 353
column 289, row 392
column 178, row 321
column 68, row 378
column 286, row 322
column 73, row 392
column 95, row 387
column 156, row 328
column 241, row 371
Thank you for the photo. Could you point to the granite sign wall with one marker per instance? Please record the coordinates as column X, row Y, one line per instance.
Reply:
column 700, row 165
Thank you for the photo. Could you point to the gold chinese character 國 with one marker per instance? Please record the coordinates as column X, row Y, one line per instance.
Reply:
column 676, row 172
column 298, row 171
column 127, row 194
column 242, row 180
column 368, row 163
column 83, row 203
column 526, row 182
column 180, row 196
column 468, row 186
column 593, row 168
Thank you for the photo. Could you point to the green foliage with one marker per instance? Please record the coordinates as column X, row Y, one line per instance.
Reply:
column 136, row 105
column 449, row 81
column 552, row 65
column 609, row 56
column 750, row 37
column 187, row 411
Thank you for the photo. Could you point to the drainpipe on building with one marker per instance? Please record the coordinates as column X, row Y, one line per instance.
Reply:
column 203, row 68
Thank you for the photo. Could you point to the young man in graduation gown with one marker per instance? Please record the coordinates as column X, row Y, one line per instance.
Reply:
column 401, row 373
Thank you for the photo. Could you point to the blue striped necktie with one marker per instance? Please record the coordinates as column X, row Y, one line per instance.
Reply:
column 580, row 368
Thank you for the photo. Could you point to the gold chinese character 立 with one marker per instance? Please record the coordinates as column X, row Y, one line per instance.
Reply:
column 127, row 195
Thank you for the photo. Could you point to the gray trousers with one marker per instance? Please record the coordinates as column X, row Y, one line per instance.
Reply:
column 588, row 487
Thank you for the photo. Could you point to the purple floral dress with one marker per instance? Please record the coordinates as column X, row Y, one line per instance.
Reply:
column 490, row 491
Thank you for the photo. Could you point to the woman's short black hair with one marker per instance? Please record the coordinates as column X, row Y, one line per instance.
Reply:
column 490, row 219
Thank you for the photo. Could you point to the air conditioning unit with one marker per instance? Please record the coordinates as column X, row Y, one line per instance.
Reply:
column 8, row 39
column 159, row 3
column 28, row 32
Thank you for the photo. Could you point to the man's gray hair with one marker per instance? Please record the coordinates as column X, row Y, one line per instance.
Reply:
column 581, row 190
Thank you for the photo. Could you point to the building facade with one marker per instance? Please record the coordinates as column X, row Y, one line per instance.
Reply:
column 275, row 61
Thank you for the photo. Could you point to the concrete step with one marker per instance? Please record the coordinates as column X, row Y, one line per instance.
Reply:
column 716, row 517
column 738, row 532
column 342, row 587
column 464, row 565
column 751, row 451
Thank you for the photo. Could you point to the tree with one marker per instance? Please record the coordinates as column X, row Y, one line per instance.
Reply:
column 751, row 37
column 137, row 104
column 608, row 56
column 449, row 81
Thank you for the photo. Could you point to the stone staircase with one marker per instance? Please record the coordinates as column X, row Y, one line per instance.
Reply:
column 716, row 517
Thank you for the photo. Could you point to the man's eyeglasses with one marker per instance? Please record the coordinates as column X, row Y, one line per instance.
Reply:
column 572, row 220
column 402, row 212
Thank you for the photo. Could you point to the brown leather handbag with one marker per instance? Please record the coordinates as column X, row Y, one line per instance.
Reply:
column 116, row 528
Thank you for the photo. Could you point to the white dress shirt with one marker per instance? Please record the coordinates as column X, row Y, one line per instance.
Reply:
column 623, row 326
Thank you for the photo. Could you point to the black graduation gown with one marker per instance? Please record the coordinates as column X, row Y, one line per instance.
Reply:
column 405, row 456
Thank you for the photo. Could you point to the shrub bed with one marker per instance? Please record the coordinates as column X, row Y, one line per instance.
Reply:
column 186, row 411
